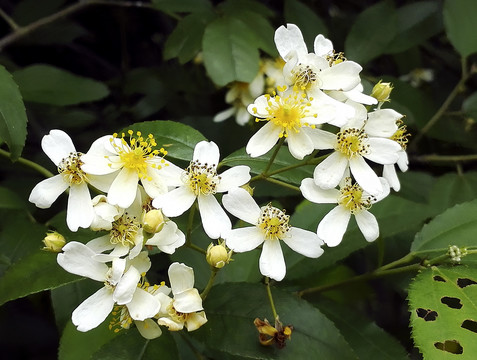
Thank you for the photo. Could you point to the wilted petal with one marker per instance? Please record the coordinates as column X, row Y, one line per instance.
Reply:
column 272, row 263
column 47, row 191
column 170, row 324
column 94, row 310
column 195, row 321
column 333, row 226
column 368, row 225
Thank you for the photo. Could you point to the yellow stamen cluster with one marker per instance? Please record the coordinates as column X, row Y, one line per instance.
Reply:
column 335, row 58
column 273, row 222
column 401, row 135
column 202, row 178
column 304, row 77
column 287, row 112
column 352, row 142
column 121, row 318
column 175, row 315
column 124, row 231
column 70, row 169
column 351, row 197
column 138, row 154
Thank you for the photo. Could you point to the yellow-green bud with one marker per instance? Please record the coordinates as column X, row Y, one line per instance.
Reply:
column 382, row 91
column 54, row 241
column 217, row 255
column 153, row 221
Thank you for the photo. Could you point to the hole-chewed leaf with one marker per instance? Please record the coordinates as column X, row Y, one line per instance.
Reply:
column 470, row 325
column 451, row 346
column 427, row 315
column 451, row 302
column 463, row 282
column 439, row 278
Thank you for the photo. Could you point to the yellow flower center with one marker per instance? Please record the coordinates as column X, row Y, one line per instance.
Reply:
column 351, row 197
column 273, row 222
column 124, row 231
column 175, row 315
column 401, row 135
column 121, row 318
column 201, row 178
column 138, row 154
column 352, row 142
column 70, row 169
column 304, row 77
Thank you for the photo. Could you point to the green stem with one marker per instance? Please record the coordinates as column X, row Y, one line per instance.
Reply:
column 190, row 223
column 9, row 20
column 38, row 168
column 270, row 298
column 446, row 158
column 282, row 183
column 209, row 285
column 274, row 155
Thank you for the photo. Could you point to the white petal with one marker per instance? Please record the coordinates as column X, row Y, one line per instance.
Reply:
column 123, row 189
column 243, row 116
column 365, row 176
column 143, row 305
column 304, row 242
column 175, row 202
column 171, row 324
column 168, row 239
column 381, row 195
column 102, row 182
column 195, row 321
column 124, row 291
column 389, row 173
column 343, row 76
column 323, row 46
column 299, row 144
column 368, row 225
column 263, row 140
column 321, row 139
column 188, row 301
column 77, row 259
column 100, row 244
column 141, row 262
column 358, row 96
column 154, row 184
column 57, row 145
column 207, row 153
column 333, row 226
column 148, row 329
column 289, row 38
column 382, row 122
column 79, row 211
column 383, row 151
column 94, row 310
column 47, row 191
column 330, row 171
column 272, row 263
column 214, row 219
column 403, row 161
column 314, row 193
column 181, row 277
column 224, row 115
column 240, row 203
column 244, row 239
column 234, row 177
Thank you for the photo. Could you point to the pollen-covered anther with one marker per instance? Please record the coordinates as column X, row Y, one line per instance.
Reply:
column 352, row 142
column 70, row 168
column 176, row 315
column 202, row 178
column 273, row 222
column 335, row 58
column 304, row 76
column 124, row 231
column 351, row 197
column 401, row 135
column 121, row 318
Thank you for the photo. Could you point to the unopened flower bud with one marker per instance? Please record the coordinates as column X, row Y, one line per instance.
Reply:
column 54, row 241
column 382, row 91
column 153, row 221
column 217, row 255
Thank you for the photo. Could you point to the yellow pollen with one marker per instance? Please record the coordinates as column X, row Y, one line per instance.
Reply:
column 70, row 169
column 401, row 135
column 121, row 318
column 273, row 222
column 124, row 231
column 176, row 315
column 351, row 197
column 202, row 178
column 304, row 77
column 335, row 58
column 352, row 142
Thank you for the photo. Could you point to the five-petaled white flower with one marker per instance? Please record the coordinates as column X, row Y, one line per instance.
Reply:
column 270, row 226
column 185, row 308
column 351, row 199
column 200, row 181
column 60, row 149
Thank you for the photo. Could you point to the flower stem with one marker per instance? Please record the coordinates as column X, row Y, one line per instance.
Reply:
column 282, row 183
column 38, row 168
column 9, row 20
column 274, row 155
column 446, row 158
column 270, row 297
column 209, row 285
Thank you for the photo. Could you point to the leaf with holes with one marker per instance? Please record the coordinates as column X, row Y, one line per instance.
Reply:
column 443, row 306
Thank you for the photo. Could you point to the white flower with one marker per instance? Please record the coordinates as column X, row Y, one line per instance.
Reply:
column 292, row 115
column 351, row 199
column 200, row 181
column 129, row 163
column 168, row 239
column 312, row 72
column 184, row 309
column 120, row 286
column 60, row 149
column 104, row 213
column 270, row 226
column 359, row 139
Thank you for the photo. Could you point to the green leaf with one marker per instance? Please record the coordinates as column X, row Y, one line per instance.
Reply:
column 443, row 307
column 232, row 7
column 10, row 200
column 456, row 226
column 469, row 105
column 178, row 139
column 173, row 6
column 77, row 345
column 185, row 41
column 416, row 22
column 13, row 119
column 459, row 22
column 363, row 335
column 50, row 85
column 310, row 24
column 230, row 51
column 232, row 308
column 34, row 273
column 283, row 159
column 416, row 186
column 371, row 32
column 131, row 345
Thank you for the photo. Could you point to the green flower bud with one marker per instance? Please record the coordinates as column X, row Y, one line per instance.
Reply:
column 382, row 91
column 54, row 241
